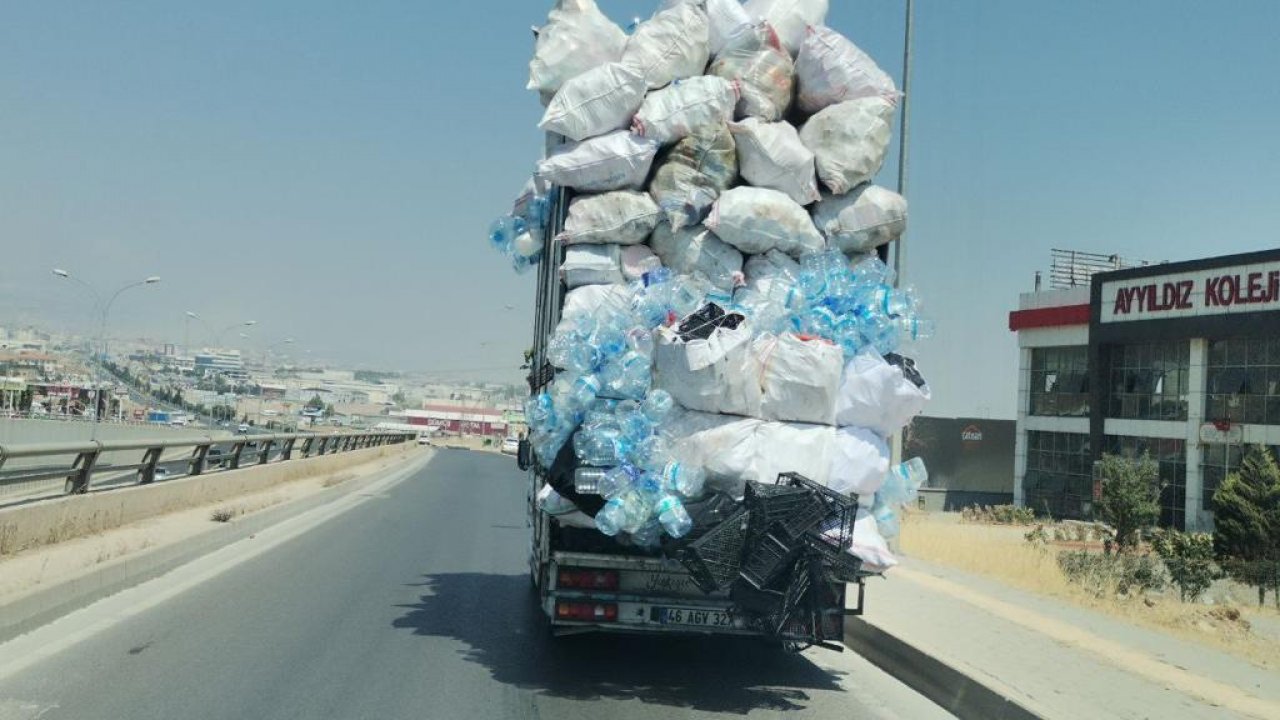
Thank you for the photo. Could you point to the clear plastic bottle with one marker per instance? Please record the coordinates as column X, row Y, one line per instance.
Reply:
column 674, row 518
column 618, row 481
column 583, row 392
column 611, row 518
column 886, row 520
column 687, row 480
column 658, row 406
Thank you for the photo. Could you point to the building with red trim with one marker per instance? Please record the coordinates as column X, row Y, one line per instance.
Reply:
column 1180, row 361
column 457, row 419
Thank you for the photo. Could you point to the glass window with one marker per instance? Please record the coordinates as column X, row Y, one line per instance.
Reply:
column 1149, row 381
column 1060, row 381
column 1171, row 456
column 1059, row 478
column 1244, row 380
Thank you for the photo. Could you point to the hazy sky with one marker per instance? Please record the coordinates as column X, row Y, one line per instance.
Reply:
column 329, row 168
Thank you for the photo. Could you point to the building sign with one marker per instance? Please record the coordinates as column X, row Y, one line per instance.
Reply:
column 1221, row 434
column 1217, row 291
column 972, row 434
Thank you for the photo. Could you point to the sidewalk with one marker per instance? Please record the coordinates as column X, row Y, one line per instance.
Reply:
column 1062, row 661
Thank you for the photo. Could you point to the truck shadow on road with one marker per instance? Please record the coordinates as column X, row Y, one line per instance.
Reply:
column 497, row 618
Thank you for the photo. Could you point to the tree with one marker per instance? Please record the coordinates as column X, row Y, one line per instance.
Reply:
column 1246, row 519
column 398, row 398
column 328, row 410
column 1189, row 559
column 315, row 403
column 1130, row 496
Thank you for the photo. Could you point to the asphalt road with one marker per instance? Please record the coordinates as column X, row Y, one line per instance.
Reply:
column 416, row 603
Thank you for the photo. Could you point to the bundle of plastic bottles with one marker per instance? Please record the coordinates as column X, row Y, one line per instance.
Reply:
column 723, row 154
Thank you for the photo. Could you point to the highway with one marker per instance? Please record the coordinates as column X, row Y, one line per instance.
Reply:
column 414, row 603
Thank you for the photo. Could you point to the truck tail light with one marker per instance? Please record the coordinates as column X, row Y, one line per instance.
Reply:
column 586, row 611
column 588, row 579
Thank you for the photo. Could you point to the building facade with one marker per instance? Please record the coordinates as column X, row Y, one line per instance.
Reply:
column 1180, row 361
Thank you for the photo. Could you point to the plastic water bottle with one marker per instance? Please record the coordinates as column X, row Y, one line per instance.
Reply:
column 674, row 518
column 652, row 453
column 611, row 517
column 916, row 328
column 583, row 392
column 886, row 520
column 658, row 406
column 914, row 475
column 813, row 277
column 637, row 510
column 597, row 445
column 500, row 234
column 573, row 353
column 650, row 487
column 687, row 480
column 618, row 480
column 630, row 376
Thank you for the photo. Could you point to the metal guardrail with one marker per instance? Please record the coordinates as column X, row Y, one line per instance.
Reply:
column 244, row 450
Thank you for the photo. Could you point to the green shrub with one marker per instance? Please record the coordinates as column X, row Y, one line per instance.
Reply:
column 1105, row 574
column 998, row 514
column 1188, row 557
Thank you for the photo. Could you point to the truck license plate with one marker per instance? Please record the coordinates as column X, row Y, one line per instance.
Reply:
column 694, row 616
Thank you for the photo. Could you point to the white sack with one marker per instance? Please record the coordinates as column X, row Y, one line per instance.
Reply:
column 792, row 447
column 553, row 503
column 848, row 141
column 869, row 544
column 831, row 69
column 765, row 77
column 862, row 220
column 723, row 18
column 598, row 101
column 693, row 173
column 671, row 45
column 770, row 155
column 616, row 161
column 576, row 38
column 722, row 445
column 622, row 217
column 697, row 250
column 756, row 220
column 716, row 375
column 859, row 462
column 590, row 265
column 789, row 18
column 878, row 395
column 698, row 104
column 588, row 299
column 734, row 450
column 638, row 260
column 799, row 379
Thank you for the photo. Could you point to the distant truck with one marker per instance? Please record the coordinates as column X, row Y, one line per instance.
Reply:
column 161, row 417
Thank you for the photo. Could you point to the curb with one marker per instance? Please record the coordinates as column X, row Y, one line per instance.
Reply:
column 50, row 603
column 948, row 687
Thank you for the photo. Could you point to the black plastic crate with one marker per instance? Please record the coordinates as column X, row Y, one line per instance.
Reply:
column 785, row 509
column 836, row 525
column 839, row 565
column 761, row 603
column 766, row 558
column 715, row 559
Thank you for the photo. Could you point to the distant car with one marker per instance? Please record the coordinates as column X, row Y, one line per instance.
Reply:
column 161, row 473
column 424, row 439
column 243, row 429
column 510, row 446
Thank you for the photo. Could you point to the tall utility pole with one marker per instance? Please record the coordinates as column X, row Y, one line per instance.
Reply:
column 899, row 259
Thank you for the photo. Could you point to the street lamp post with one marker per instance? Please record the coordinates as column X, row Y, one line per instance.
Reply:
column 103, row 310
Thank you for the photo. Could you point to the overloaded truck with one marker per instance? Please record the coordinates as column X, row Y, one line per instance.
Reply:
column 719, row 348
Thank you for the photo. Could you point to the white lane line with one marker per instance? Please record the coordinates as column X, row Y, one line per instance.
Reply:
column 42, row 643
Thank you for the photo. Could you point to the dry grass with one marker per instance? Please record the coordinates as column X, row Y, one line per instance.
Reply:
column 1002, row 553
column 337, row 479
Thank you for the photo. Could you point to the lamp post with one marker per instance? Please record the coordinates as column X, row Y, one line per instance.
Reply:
column 103, row 310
